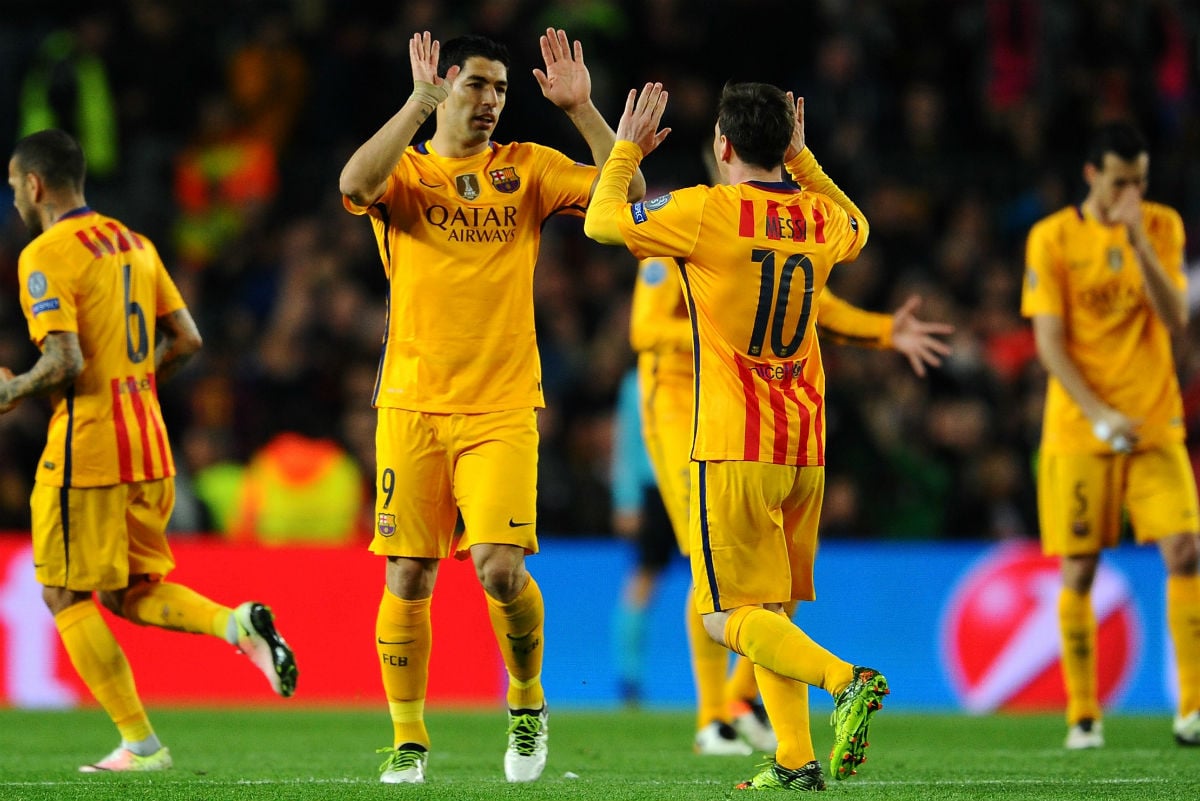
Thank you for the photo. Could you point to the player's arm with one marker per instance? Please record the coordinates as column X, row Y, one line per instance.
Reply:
column 179, row 340
column 1168, row 300
column 56, row 369
column 802, row 165
column 846, row 324
column 902, row 331
column 654, row 324
column 567, row 84
column 1109, row 425
column 637, row 136
column 661, row 334
column 364, row 177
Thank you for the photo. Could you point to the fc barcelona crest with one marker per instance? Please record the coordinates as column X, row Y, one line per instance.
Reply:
column 467, row 186
column 505, row 179
column 387, row 524
column 1115, row 259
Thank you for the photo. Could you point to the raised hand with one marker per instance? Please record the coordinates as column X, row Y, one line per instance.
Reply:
column 566, row 81
column 423, row 52
column 639, row 122
column 1127, row 210
column 797, row 143
column 917, row 339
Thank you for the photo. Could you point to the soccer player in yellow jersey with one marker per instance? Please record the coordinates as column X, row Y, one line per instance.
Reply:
column 458, row 219
column 754, row 255
column 661, row 335
column 110, row 325
column 1104, row 286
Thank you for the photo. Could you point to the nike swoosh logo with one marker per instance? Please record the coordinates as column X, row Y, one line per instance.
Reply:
column 431, row 186
column 514, row 524
column 394, row 642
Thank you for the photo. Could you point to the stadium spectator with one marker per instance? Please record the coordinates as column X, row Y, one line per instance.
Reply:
column 268, row 80
column 68, row 87
column 225, row 180
column 96, row 296
column 458, row 220
column 299, row 490
column 1105, row 289
column 757, row 473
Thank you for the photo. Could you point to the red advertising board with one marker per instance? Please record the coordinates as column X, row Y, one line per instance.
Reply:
column 1001, row 632
column 325, row 601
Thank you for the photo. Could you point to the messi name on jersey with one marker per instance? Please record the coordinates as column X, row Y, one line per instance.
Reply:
column 470, row 224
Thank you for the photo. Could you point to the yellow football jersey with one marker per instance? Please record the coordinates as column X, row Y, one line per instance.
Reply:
column 1086, row 272
column 660, row 332
column 459, row 239
column 91, row 275
column 659, row 329
column 754, row 259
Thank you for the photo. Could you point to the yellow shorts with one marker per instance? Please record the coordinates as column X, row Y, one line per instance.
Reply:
column 667, row 430
column 754, row 533
column 1080, row 498
column 430, row 467
column 95, row 538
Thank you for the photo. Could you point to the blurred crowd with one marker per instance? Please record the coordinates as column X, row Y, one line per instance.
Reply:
column 219, row 129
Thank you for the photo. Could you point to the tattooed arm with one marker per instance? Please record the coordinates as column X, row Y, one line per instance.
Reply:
column 60, row 364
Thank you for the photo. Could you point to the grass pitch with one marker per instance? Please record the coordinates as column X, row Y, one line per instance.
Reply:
column 305, row 754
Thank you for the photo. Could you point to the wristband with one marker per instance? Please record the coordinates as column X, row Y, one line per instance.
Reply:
column 430, row 94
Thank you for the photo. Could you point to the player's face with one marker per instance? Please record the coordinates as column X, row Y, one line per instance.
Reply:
column 476, row 99
column 1118, row 176
column 22, row 197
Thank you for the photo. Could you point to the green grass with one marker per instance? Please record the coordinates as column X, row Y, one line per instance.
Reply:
column 305, row 754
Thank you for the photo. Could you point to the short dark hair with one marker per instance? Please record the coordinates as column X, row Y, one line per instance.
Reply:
column 1122, row 139
column 55, row 156
column 758, row 121
column 456, row 52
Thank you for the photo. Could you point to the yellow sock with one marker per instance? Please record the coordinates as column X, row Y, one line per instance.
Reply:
column 1183, row 619
column 741, row 687
column 519, row 626
column 786, row 701
column 102, row 665
column 403, row 639
column 773, row 641
column 1077, row 630
column 710, row 662
column 175, row 607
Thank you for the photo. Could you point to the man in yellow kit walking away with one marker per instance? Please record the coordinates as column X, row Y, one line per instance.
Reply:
column 97, row 298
